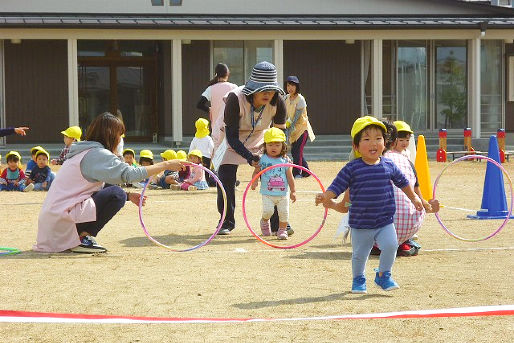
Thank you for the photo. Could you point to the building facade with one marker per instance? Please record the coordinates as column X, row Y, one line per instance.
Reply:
column 433, row 63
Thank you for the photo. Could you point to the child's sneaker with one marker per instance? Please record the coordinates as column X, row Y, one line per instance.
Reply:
column 265, row 228
column 282, row 234
column 191, row 188
column 359, row 285
column 29, row 187
column 386, row 281
column 175, row 187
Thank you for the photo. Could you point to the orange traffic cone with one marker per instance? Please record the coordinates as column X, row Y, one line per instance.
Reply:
column 421, row 165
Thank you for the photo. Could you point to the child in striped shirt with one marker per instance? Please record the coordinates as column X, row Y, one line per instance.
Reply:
column 369, row 178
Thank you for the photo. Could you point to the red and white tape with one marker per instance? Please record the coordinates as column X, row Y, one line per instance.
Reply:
column 43, row 317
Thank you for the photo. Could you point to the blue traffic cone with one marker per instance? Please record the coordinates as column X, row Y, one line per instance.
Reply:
column 494, row 201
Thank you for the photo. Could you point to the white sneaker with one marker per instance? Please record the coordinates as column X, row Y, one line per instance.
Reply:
column 29, row 187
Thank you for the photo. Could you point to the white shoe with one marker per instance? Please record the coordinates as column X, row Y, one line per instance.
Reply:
column 29, row 187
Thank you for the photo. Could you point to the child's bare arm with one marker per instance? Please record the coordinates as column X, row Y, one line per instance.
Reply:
column 290, row 182
column 409, row 191
column 425, row 203
column 325, row 199
column 255, row 172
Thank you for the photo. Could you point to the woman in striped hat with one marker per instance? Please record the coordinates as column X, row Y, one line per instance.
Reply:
column 249, row 111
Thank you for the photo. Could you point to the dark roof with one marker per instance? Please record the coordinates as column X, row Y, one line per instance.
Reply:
column 225, row 22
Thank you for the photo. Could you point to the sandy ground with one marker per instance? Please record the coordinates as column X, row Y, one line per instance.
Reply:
column 237, row 276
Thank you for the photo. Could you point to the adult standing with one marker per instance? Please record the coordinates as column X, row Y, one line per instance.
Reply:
column 77, row 206
column 298, row 126
column 248, row 111
column 216, row 89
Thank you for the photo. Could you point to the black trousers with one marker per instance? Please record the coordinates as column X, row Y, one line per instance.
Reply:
column 206, row 162
column 108, row 202
column 297, row 152
column 227, row 174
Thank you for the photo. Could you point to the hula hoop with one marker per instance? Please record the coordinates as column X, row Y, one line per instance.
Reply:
column 9, row 251
column 246, row 218
column 470, row 157
column 156, row 242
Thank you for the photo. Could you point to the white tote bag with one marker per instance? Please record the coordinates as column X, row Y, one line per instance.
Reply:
column 219, row 153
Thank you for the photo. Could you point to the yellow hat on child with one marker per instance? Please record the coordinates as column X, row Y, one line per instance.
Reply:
column 73, row 132
column 274, row 135
column 44, row 152
column 33, row 150
column 13, row 153
column 169, row 155
column 402, row 126
column 181, row 155
column 363, row 122
column 146, row 154
column 202, row 128
column 128, row 150
column 196, row 153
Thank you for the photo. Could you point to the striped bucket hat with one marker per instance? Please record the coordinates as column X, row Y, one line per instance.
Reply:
column 263, row 78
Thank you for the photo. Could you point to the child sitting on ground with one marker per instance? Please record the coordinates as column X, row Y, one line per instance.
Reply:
column 129, row 156
column 196, row 179
column 13, row 178
column 203, row 142
column 275, row 183
column 32, row 163
column 71, row 134
column 169, row 177
column 146, row 159
column 183, row 174
column 368, row 178
column 41, row 175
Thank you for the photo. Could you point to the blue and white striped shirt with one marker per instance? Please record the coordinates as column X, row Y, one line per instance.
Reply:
column 371, row 191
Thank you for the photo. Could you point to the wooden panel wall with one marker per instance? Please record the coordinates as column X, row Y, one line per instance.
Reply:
column 509, row 106
column 36, row 89
column 195, row 76
column 330, row 78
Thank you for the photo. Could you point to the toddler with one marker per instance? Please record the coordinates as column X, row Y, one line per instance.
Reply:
column 169, row 178
column 196, row 178
column 41, row 175
column 13, row 178
column 203, row 142
column 146, row 159
column 71, row 134
column 183, row 174
column 275, row 182
column 129, row 156
column 373, row 206
column 32, row 163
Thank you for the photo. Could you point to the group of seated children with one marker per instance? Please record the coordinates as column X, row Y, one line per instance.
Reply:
column 37, row 176
column 191, row 179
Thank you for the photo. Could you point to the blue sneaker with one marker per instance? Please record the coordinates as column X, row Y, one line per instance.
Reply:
column 386, row 281
column 359, row 285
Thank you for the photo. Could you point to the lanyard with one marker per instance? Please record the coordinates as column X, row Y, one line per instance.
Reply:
column 255, row 122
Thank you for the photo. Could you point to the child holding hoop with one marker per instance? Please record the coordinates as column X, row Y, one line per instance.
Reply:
column 275, row 182
column 369, row 178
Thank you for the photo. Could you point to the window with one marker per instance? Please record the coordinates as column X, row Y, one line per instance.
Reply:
column 175, row 2
column 157, row 2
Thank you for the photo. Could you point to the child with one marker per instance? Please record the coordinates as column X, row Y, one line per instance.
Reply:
column 196, row 178
column 183, row 174
column 203, row 142
column 274, row 183
column 369, row 178
column 41, row 175
column 169, row 178
column 13, row 178
column 129, row 156
column 71, row 134
column 402, row 142
column 32, row 163
column 146, row 159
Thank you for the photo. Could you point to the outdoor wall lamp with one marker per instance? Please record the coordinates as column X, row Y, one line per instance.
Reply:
column 483, row 27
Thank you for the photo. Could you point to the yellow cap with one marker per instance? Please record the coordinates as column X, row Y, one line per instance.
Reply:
column 196, row 153
column 362, row 122
column 43, row 151
column 11, row 153
column 274, row 135
column 36, row 148
column 402, row 126
column 128, row 150
column 202, row 128
column 181, row 155
column 146, row 154
column 169, row 155
column 73, row 132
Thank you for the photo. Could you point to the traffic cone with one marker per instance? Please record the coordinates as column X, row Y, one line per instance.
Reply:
column 494, row 201
column 421, row 165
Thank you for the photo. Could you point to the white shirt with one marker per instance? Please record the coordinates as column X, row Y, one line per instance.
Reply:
column 205, row 145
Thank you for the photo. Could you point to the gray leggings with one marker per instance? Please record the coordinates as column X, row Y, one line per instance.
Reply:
column 362, row 242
